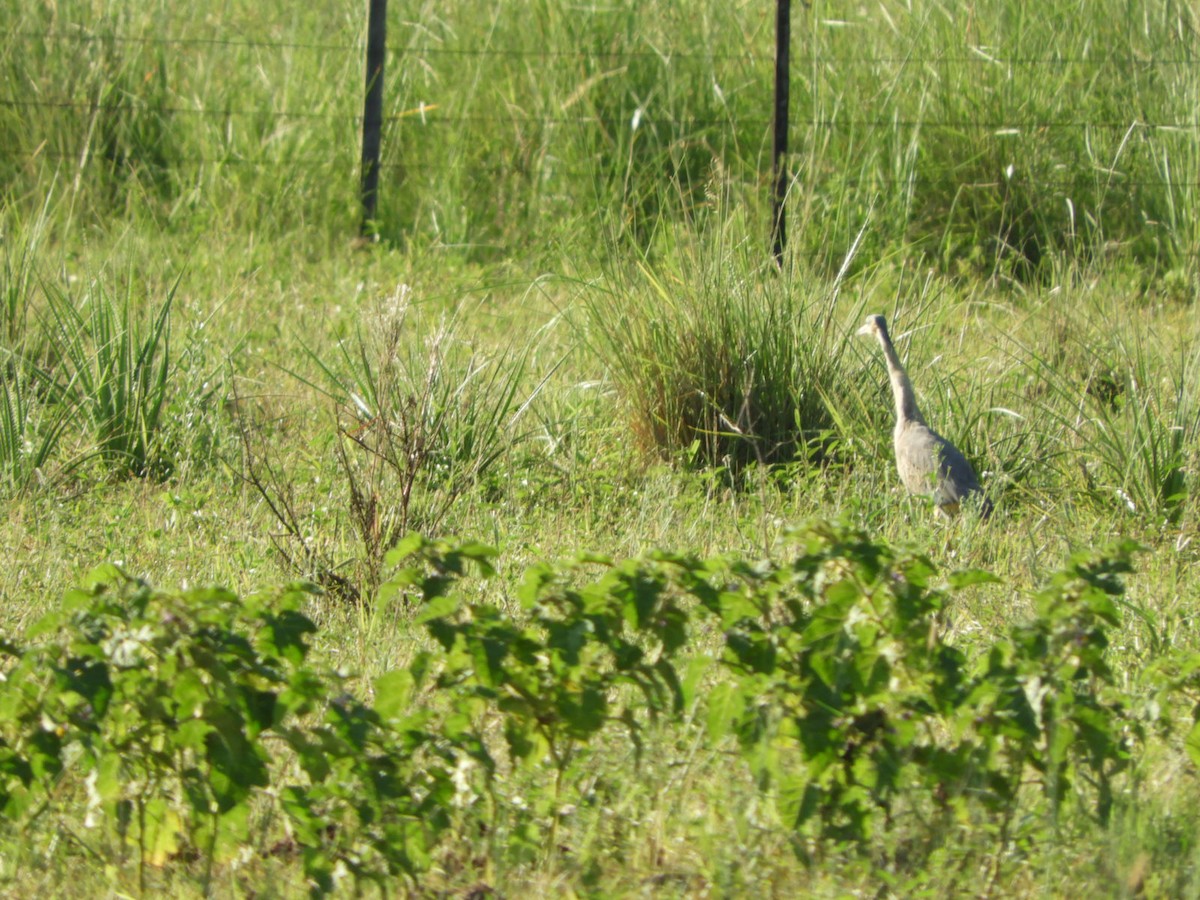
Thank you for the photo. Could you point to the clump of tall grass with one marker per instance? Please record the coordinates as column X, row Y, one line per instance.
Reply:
column 519, row 126
column 174, row 118
column 998, row 136
column 718, row 358
column 1130, row 419
column 114, row 370
column 29, row 428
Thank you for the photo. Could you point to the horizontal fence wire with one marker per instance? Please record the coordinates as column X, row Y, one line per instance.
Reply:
column 978, row 56
column 437, row 116
column 431, row 115
column 1107, row 178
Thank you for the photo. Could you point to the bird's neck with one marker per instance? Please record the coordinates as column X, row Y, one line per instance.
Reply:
column 902, row 389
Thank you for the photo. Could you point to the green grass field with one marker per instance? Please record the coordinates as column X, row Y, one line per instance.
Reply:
column 718, row 651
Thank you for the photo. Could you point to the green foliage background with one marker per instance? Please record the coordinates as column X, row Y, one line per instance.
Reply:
column 467, row 559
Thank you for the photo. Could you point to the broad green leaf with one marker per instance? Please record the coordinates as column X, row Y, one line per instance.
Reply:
column 797, row 800
column 259, row 706
column 236, row 764
column 535, row 579
column 404, row 548
column 438, row 608
column 697, row 668
column 225, row 835
column 752, row 648
column 189, row 693
column 306, row 824
column 520, row 737
column 108, row 780
column 671, row 628
column 1192, row 744
column 588, row 557
column 584, row 711
column 91, row 680
column 479, row 553
column 284, row 633
column 736, row 606
column 393, row 694
column 105, row 575
column 1102, row 605
column 842, row 592
column 826, row 622
column 726, row 704
column 190, row 735
column 54, row 620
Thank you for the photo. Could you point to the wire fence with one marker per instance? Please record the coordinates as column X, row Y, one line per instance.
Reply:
column 432, row 117
column 981, row 56
column 1021, row 124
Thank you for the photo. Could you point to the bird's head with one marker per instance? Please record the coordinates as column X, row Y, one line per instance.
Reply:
column 875, row 326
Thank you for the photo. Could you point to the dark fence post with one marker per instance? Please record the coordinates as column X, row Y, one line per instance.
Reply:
column 373, row 114
column 783, row 40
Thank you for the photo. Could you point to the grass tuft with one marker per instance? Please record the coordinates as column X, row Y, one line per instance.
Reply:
column 717, row 358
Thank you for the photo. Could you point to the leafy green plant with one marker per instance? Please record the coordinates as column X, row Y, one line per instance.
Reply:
column 847, row 701
column 155, row 702
column 378, row 783
column 554, row 675
column 840, row 676
column 164, row 715
column 1060, row 688
column 851, row 706
column 193, row 725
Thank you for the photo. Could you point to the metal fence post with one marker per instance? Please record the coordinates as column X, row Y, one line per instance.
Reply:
column 373, row 114
column 783, row 39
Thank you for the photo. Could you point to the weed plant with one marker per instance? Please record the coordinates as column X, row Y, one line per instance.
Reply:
column 419, row 424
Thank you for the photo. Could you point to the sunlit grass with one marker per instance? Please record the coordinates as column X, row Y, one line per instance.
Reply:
column 579, row 192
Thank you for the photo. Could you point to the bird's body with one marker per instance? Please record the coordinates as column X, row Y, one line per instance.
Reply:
column 927, row 462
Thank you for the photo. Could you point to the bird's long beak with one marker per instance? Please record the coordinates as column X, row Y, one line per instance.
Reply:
column 867, row 329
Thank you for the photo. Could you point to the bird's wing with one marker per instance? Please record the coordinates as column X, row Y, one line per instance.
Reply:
column 930, row 464
column 956, row 477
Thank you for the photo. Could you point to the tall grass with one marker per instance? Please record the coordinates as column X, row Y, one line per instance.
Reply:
column 30, row 423
column 989, row 136
column 720, row 360
column 115, row 370
column 1001, row 133
column 21, row 243
column 151, row 109
column 1128, row 415
column 29, row 429
column 422, row 417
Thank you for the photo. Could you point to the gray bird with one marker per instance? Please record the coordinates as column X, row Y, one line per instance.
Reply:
column 927, row 462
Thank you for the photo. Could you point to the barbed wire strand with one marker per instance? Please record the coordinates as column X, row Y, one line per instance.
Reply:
column 1110, row 179
column 431, row 116
column 975, row 55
